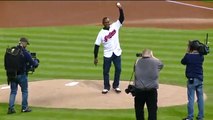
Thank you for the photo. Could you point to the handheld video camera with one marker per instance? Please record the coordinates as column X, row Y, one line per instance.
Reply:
column 33, row 55
column 138, row 54
column 30, row 68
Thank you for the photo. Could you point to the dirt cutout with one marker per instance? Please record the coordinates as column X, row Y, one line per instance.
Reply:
column 160, row 14
column 86, row 94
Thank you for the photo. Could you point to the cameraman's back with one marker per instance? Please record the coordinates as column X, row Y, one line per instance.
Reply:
column 19, row 77
column 147, row 71
column 146, row 82
column 27, row 58
column 193, row 60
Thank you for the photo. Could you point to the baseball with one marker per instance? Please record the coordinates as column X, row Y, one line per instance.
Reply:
column 118, row 4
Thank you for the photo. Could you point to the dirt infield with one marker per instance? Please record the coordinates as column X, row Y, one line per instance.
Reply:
column 161, row 14
column 87, row 94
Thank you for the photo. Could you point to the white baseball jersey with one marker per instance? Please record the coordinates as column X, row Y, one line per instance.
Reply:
column 110, row 40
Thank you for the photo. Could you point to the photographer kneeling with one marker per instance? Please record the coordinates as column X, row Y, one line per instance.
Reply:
column 147, row 69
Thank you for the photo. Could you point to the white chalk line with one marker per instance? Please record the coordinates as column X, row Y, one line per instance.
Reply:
column 5, row 87
column 67, row 84
column 71, row 84
column 191, row 5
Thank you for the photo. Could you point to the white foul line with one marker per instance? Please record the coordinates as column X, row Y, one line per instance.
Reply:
column 197, row 6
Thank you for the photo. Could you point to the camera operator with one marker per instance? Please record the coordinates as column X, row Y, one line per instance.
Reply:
column 22, row 78
column 147, row 70
column 193, row 60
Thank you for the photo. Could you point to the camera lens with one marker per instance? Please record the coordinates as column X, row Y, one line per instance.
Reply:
column 127, row 91
column 138, row 55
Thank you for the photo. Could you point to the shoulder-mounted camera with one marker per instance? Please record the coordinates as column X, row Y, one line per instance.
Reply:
column 202, row 48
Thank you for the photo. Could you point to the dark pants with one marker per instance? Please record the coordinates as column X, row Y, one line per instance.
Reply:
column 150, row 98
column 106, row 68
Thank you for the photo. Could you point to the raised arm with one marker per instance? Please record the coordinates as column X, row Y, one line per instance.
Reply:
column 121, row 17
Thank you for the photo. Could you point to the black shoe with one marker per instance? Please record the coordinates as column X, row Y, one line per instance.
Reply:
column 26, row 110
column 199, row 118
column 11, row 111
column 187, row 119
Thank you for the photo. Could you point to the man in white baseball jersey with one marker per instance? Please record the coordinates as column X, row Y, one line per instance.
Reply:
column 109, row 37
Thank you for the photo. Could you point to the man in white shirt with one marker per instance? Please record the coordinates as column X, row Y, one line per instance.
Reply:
column 109, row 37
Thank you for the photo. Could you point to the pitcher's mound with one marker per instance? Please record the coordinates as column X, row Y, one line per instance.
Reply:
column 86, row 94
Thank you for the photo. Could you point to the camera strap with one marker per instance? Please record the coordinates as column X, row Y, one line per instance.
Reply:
column 130, row 80
column 133, row 72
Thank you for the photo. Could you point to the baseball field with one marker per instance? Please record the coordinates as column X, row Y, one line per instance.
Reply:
column 63, row 35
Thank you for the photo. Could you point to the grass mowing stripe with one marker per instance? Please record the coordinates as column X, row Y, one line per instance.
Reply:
column 64, row 47
column 154, row 45
column 41, row 38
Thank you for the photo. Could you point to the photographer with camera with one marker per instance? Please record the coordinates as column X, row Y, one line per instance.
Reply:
column 193, row 59
column 146, row 83
column 23, row 59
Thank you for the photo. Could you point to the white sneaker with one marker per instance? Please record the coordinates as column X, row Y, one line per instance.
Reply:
column 105, row 91
column 117, row 90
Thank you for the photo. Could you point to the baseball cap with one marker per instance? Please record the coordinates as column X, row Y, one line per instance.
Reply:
column 23, row 39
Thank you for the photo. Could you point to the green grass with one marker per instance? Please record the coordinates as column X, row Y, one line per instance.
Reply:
column 67, row 53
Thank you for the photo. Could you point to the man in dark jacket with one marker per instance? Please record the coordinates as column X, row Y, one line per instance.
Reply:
column 194, row 73
column 22, row 79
